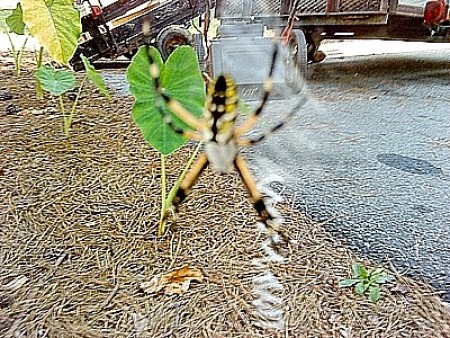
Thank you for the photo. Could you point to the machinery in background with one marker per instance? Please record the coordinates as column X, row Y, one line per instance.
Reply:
column 121, row 27
column 243, row 42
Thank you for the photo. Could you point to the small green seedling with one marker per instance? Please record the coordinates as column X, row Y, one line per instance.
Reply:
column 60, row 81
column 16, row 25
column 181, row 78
column 367, row 280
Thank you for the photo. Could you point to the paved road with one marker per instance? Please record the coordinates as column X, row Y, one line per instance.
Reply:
column 370, row 155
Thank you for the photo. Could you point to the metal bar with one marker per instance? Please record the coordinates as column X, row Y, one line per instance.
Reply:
column 120, row 7
column 285, row 7
column 247, row 8
column 330, row 19
column 332, row 6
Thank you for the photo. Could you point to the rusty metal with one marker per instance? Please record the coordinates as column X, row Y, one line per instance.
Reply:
column 120, row 7
column 261, row 8
column 341, row 6
column 126, row 32
column 247, row 8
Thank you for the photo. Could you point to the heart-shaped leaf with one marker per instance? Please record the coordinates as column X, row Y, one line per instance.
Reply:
column 54, row 81
column 55, row 24
column 15, row 21
column 180, row 78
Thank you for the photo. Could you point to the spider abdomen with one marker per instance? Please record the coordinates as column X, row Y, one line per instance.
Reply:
column 221, row 110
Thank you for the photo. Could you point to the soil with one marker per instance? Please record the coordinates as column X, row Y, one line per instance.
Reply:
column 79, row 218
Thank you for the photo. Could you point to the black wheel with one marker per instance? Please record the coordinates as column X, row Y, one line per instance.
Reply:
column 299, row 50
column 170, row 38
column 295, row 61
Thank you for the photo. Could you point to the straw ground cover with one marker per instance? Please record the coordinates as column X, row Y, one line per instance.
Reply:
column 79, row 217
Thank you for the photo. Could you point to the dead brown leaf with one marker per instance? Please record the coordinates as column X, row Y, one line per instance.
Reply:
column 175, row 282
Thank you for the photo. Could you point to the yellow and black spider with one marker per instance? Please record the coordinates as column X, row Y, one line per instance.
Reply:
column 222, row 137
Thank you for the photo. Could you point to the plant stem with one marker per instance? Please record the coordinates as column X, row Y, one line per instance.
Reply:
column 66, row 126
column 39, row 90
column 14, row 51
column 162, row 222
column 72, row 111
column 180, row 179
column 167, row 202
column 19, row 56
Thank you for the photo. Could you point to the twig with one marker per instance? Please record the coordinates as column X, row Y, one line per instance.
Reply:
column 110, row 296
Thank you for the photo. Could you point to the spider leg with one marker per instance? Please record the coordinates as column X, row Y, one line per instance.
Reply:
column 257, row 199
column 188, row 182
column 177, row 109
column 189, row 134
column 267, row 88
column 248, row 142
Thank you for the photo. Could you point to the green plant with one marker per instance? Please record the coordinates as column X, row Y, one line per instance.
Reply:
column 56, row 26
column 58, row 82
column 367, row 280
column 14, row 24
column 180, row 78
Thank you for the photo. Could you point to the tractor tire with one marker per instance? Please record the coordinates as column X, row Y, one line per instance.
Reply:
column 172, row 37
column 296, row 61
column 299, row 51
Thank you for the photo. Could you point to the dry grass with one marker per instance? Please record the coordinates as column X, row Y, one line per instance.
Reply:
column 79, row 216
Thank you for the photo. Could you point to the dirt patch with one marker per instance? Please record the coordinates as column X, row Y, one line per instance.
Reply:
column 78, row 222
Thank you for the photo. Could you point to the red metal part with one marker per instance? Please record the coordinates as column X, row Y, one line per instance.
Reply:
column 96, row 12
column 435, row 12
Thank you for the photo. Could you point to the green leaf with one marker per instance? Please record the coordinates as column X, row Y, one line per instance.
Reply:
column 56, row 82
column 357, row 268
column 95, row 76
column 374, row 293
column 384, row 279
column 55, row 24
column 4, row 13
column 348, row 282
column 180, row 78
column 363, row 272
column 361, row 287
column 15, row 21
column 183, row 80
column 376, row 272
